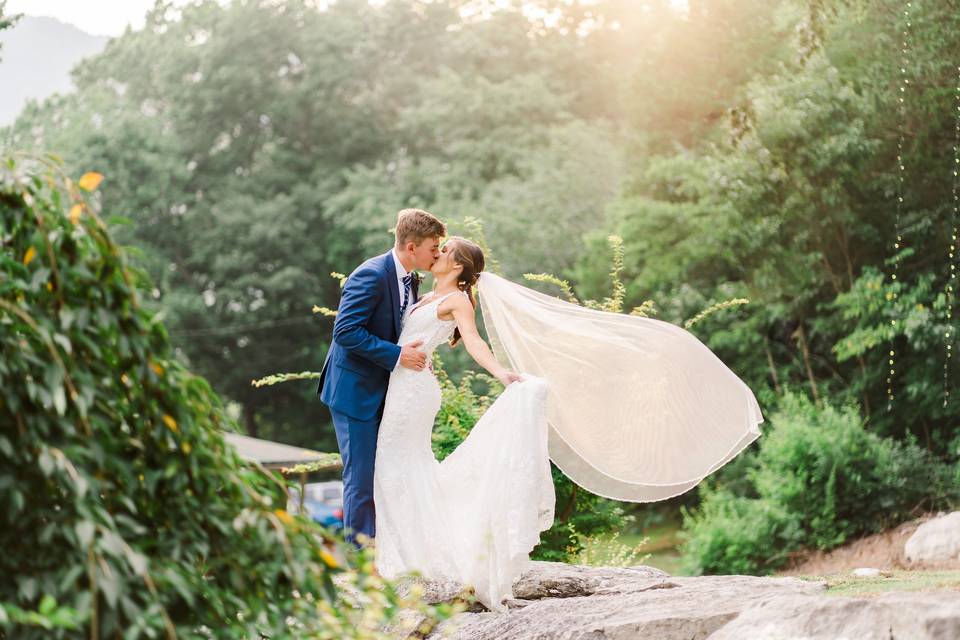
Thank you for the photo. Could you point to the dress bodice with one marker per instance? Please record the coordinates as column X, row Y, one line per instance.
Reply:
column 422, row 323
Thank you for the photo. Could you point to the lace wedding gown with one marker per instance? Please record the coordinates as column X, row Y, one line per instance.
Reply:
column 474, row 517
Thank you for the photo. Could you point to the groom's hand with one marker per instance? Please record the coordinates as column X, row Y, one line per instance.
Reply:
column 411, row 357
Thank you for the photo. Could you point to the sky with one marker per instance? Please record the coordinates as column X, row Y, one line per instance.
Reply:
column 98, row 17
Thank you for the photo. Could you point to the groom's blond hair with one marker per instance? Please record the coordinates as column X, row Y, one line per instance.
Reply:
column 417, row 225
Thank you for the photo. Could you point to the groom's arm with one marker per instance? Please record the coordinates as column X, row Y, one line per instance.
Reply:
column 360, row 296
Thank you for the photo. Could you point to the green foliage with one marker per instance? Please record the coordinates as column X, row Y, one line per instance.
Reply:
column 256, row 147
column 741, row 150
column 818, row 479
column 792, row 207
column 113, row 462
column 609, row 551
column 731, row 534
column 580, row 517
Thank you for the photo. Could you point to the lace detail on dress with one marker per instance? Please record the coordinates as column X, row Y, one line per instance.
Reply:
column 475, row 517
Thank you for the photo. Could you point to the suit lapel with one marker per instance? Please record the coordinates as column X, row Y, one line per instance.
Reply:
column 392, row 287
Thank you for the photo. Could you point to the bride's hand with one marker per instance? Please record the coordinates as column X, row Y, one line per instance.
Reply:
column 506, row 377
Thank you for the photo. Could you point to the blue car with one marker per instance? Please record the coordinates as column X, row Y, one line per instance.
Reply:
column 323, row 504
column 324, row 514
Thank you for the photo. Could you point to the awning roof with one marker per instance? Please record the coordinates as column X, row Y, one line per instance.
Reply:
column 275, row 455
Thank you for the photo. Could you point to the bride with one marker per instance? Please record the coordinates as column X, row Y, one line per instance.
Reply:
column 630, row 408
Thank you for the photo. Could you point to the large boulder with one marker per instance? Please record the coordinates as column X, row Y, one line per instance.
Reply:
column 891, row 616
column 935, row 541
column 555, row 601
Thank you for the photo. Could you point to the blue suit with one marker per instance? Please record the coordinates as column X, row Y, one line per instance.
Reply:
column 353, row 381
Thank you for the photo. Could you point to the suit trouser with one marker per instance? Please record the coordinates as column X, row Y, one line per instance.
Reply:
column 357, row 440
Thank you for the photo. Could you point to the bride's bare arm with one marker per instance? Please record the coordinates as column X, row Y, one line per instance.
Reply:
column 465, row 315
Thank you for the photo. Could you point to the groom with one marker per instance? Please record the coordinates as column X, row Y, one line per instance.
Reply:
column 364, row 350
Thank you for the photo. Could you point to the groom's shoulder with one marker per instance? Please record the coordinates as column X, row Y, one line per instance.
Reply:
column 370, row 266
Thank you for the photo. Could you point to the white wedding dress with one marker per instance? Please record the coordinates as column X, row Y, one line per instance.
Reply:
column 474, row 517
column 630, row 408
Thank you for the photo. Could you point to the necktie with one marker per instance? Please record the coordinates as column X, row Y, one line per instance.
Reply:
column 407, row 280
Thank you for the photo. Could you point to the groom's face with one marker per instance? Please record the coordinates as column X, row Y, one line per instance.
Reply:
column 426, row 253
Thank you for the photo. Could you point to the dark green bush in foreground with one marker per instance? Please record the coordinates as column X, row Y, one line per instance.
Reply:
column 818, row 479
column 124, row 513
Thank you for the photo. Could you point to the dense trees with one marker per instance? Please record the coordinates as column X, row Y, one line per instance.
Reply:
column 258, row 147
column 740, row 148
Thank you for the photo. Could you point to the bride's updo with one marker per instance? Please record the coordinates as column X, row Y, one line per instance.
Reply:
column 470, row 257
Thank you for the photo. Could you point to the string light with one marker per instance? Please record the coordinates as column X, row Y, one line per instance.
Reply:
column 948, row 331
column 901, row 178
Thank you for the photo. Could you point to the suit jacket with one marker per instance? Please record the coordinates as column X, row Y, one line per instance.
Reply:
column 364, row 348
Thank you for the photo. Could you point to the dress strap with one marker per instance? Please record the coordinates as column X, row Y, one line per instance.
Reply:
column 444, row 297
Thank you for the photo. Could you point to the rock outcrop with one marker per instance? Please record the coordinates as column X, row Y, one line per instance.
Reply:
column 570, row 602
column 935, row 541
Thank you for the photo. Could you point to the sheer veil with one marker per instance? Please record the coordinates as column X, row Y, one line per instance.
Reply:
column 639, row 409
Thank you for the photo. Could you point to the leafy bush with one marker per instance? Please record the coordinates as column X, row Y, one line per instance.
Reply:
column 736, row 535
column 818, row 479
column 125, row 514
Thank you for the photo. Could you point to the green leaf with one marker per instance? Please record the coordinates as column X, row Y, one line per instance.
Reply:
column 47, row 605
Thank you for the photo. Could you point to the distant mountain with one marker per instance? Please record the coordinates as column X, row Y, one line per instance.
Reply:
column 36, row 58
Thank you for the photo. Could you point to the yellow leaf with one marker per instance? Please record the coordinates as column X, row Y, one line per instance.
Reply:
column 31, row 254
column 49, row 286
column 75, row 212
column 157, row 368
column 186, row 448
column 285, row 517
column 90, row 181
column 328, row 559
column 171, row 423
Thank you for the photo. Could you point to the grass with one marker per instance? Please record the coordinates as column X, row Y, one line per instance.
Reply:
column 849, row 585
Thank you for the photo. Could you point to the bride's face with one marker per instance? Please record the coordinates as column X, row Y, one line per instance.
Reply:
column 445, row 263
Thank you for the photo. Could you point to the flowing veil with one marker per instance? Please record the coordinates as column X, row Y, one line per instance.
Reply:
column 638, row 409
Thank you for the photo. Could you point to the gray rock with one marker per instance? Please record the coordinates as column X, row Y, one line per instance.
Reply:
column 936, row 540
column 568, row 602
column 555, row 601
column 891, row 616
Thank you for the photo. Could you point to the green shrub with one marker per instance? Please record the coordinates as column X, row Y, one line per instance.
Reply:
column 734, row 534
column 818, row 479
column 125, row 514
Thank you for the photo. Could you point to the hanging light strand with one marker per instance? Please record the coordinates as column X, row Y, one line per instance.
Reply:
column 949, row 335
column 901, row 179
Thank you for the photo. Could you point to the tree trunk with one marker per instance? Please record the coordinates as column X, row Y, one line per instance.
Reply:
column 773, row 369
column 570, row 506
column 845, row 249
column 804, row 347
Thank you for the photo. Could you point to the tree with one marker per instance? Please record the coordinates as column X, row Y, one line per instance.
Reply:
column 112, row 458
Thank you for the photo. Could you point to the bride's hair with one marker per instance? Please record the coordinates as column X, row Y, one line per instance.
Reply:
column 470, row 256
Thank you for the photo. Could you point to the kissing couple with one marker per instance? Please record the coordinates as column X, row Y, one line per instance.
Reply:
column 629, row 408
